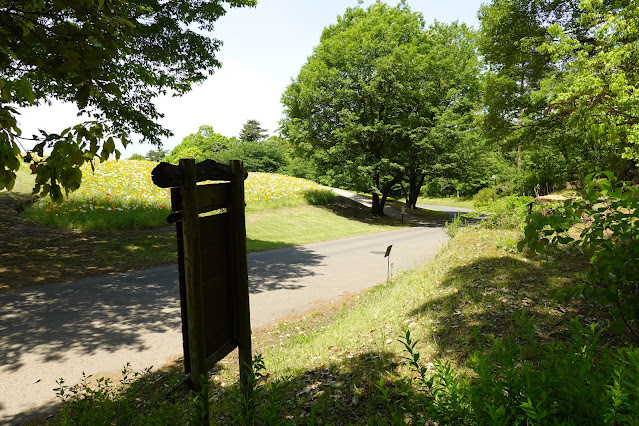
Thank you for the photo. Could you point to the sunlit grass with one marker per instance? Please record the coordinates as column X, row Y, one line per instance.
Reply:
column 120, row 194
column 461, row 202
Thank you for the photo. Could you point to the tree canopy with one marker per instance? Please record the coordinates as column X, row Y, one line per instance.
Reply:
column 252, row 131
column 560, row 86
column 200, row 145
column 365, row 98
column 108, row 57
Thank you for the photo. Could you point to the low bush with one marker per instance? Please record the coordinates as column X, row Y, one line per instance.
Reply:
column 138, row 398
column 519, row 380
column 603, row 223
column 483, row 196
column 317, row 197
column 508, row 212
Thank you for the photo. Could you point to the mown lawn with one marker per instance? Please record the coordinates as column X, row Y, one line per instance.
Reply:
column 89, row 240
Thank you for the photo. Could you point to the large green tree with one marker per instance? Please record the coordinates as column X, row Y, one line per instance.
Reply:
column 559, row 89
column 110, row 58
column 200, row 145
column 509, row 39
column 597, row 89
column 444, row 129
column 357, row 100
column 252, row 131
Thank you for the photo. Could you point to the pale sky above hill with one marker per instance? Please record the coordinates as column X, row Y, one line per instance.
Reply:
column 264, row 48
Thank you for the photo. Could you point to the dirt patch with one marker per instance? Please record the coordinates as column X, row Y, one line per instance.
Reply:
column 32, row 254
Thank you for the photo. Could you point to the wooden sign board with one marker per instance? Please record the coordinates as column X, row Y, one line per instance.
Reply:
column 212, row 262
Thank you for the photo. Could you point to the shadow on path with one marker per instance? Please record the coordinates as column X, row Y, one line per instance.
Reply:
column 81, row 317
column 270, row 270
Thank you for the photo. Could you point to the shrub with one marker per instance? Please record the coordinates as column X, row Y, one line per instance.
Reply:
column 483, row 196
column 508, row 212
column 519, row 380
column 316, row 197
column 606, row 222
column 127, row 402
column 137, row 157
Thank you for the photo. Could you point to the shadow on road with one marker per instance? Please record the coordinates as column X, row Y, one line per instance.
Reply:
column 269, row 270
column 114, row 312
column 108, row 313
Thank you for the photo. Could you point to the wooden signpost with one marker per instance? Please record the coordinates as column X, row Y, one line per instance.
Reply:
column 212, row 263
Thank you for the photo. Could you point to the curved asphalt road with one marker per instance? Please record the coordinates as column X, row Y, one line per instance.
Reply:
column 97, row 325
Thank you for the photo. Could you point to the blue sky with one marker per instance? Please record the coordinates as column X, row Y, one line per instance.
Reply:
column 264, row 48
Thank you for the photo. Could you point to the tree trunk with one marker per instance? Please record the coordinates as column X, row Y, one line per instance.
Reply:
column 415, row 183
column 377, row 209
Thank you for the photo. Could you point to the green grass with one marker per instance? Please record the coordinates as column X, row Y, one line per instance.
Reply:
column 461, row 202
column 35, row 253
column 24, row 181
column 287, row 226
column 347, row 361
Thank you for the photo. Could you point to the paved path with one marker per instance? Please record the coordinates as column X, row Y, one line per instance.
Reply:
column 97, row 325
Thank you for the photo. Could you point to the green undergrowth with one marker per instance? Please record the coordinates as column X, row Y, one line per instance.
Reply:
column 475, row 336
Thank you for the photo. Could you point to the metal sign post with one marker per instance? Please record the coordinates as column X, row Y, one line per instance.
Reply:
column 387, row 255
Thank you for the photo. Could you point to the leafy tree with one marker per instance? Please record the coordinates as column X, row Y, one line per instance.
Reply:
column 156, row 155
column 552, row 66
column 268, row 156
column 137, row 156
column 356, row 102
column 201, row 145
column 110, row 58
column 597, row 89
column 510, row 36
column 252, row 131
column 445, row 130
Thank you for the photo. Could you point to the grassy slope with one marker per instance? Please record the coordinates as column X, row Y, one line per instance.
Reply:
column 33, row 253
column 475, row 287
column 462, row 202
column 334, row 359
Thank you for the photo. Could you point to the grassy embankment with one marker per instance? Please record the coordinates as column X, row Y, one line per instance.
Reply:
column 495, row 347
column 116, row 222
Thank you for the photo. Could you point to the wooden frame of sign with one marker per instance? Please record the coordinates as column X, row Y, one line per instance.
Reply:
column 212, row 263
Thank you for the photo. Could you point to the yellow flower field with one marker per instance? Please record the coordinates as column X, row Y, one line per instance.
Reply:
column 124, row 189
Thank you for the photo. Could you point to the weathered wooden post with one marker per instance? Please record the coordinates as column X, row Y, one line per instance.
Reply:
column 212, row 264
column 193, row 274
column 240, row 272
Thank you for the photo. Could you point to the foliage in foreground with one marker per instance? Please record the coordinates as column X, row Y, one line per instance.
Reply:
column 604, row 223
column 519, row 380
column 510, row 380
column 346, row 366
column 110, row 58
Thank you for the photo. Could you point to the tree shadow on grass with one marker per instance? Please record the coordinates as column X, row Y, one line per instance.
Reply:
column 352, row 210
column 32, row 254
column 342, row 392
column 486, row 297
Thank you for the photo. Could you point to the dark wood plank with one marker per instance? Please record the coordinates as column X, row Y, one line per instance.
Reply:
column 239, row 267
column 193, row 274
column 167, row 175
